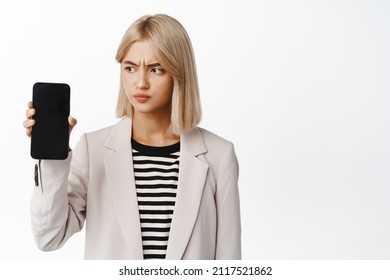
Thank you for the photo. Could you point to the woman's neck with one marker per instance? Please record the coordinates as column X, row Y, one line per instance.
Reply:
column 153, row 130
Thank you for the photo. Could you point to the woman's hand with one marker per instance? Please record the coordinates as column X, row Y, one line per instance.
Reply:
column 29, row 122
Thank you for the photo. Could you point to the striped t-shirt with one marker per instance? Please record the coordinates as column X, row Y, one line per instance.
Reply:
column 156, row 171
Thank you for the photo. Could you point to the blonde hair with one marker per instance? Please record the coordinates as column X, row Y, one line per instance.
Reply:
column 173, row 50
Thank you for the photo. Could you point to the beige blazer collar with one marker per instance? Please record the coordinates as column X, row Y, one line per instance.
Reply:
column 192, row 176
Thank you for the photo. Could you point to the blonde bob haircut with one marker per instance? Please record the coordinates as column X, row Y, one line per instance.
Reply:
column 173, row 50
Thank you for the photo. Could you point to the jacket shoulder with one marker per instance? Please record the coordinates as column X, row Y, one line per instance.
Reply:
column 217, row 147
column 101, row 133
column 220, row 154
column 211, row 138
column 115, row 128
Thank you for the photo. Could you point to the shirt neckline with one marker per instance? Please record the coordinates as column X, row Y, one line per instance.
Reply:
column 155, row 150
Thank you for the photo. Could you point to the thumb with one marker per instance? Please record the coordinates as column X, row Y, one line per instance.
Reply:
column 72, row 122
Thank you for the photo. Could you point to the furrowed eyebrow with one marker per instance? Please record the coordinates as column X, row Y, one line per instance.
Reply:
column 128, row 62
column 153, row 65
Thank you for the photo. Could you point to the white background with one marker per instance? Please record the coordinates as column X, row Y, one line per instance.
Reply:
column 301, row 88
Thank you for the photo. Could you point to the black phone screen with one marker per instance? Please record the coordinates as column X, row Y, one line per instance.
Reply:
column 50, row 134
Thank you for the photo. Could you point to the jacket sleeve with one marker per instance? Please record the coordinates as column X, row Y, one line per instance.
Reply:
column 58, row 203
column 228, row 208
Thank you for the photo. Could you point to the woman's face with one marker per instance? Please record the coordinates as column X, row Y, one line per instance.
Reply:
column 148, row 86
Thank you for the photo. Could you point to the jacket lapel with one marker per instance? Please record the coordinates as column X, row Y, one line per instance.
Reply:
column 192, row 176
column 119, row 169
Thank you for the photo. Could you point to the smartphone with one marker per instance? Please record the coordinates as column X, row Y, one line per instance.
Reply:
column 50, row 134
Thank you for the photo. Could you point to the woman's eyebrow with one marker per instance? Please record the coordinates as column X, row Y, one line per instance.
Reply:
column 128, row 62
column 153, row 64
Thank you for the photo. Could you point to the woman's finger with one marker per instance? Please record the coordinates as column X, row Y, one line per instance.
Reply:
column 28, row 123
column 72, row 123
column 30, row 113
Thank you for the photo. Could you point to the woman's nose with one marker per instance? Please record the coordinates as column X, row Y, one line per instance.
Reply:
column 142, row 81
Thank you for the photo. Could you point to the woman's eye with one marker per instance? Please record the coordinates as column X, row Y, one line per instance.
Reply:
column 157, row 70
column 130, row 69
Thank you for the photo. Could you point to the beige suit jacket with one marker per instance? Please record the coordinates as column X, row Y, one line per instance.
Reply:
column 96, row 185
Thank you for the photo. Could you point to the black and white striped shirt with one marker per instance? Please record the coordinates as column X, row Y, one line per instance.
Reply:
column 156, row 171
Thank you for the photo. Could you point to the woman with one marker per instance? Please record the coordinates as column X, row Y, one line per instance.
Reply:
column 154, row 185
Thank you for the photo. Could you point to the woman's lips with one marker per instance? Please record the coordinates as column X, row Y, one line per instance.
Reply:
column 142, row 98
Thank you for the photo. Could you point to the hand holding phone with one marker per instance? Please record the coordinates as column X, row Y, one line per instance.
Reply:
column 50, row 129
column 29, row 122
